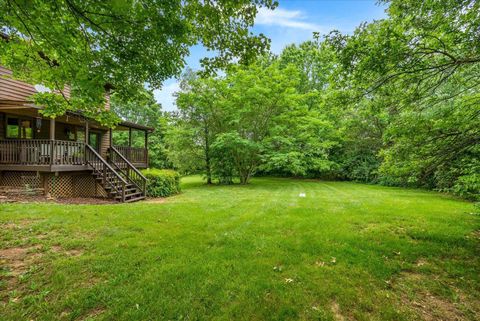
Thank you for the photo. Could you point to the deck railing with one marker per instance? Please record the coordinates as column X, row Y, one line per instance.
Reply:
column 110, row 178
column 127, row 170
column 134, row 155
column 41, row 152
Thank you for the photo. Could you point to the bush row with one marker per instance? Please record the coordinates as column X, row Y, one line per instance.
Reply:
column 162, row 182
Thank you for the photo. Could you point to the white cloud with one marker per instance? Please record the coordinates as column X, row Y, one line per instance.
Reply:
column 285, row 18
column 165, row 95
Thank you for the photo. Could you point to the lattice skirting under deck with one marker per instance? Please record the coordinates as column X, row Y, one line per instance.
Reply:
column 21, row 179
column 68, row 184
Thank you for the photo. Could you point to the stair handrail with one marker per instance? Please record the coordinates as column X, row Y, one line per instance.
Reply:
column 108, row 166
column 130, row 166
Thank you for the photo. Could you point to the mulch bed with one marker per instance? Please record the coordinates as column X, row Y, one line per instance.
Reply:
column 19, row 198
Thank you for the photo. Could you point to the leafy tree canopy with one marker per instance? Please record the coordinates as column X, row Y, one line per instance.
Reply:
column 99, row 46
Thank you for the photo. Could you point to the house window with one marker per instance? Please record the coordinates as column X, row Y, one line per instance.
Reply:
column 19, row 128
column 69, row 133
column 80, row 134
column 13, row 128
column 26, row 129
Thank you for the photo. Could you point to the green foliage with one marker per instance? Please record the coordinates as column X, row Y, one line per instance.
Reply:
column 412, row 83
column 468, row 186
column 162, row 182
column 145, row 111
column 254, row 118
column 118, row 46
column 241, row 154
column 394, row 103
column 183, row 152
column 224, row 168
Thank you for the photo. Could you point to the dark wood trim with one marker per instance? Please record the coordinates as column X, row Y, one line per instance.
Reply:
column 66, row 168
column 52, row 129
column 44, row 168
column 26, row 168
column 140, row 165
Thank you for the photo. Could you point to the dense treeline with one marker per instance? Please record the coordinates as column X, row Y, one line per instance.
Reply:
column 396, row 102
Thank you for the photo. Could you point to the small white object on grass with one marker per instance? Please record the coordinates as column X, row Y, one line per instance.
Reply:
column 302, row 195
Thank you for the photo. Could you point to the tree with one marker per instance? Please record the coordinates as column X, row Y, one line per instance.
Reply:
column 414, row 76
column 255, row 96
column 184, row 150
column 242, row 154
column 119, row 46
column 198, row 103
column 419, row 47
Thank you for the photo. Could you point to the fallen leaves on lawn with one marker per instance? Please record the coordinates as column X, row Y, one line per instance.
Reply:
column 320, row 263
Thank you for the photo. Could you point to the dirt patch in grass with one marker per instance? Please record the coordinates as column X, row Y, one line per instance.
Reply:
column 45, row 199
column 156, row 200
column 336, row 311
column 17, row 225
column 86, row 200
column 475, row 235
column 415, row 296
column 421, row 262
column 90, row 315
column 71, row 252
column 16, row 261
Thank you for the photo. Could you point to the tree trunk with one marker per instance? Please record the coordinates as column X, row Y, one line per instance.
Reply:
column 208, row 168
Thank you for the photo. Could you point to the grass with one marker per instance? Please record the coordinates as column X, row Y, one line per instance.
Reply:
column 258, row 252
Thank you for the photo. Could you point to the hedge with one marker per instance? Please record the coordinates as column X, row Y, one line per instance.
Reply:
column 162, row 182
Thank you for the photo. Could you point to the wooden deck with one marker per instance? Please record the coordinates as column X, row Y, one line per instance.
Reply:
column 138, row 156
column 42, row 155
column 45, row 155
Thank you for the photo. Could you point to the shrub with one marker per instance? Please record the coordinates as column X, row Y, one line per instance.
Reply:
column 162, row 182
column 468, row 186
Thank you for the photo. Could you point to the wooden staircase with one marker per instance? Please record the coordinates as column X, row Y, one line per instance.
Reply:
column 122, row 181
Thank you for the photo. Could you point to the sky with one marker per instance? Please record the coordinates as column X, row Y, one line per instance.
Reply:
column 293, row 21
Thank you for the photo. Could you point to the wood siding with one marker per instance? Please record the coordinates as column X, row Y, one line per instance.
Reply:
column 2, row 126
column 14, row 90
column 107, row 101
column 104, row 143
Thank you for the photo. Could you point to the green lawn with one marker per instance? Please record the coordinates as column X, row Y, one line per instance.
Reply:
column 257, row 252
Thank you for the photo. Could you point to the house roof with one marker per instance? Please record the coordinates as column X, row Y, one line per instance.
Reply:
column 15, row 93
column 122, row 123
column 136, row 126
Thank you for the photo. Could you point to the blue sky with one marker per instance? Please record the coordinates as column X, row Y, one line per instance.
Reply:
column 293, row 21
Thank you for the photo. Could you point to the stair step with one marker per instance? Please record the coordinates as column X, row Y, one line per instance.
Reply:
column 114, row 184
column 135, row 199
column 130, row 195
column 101, row 174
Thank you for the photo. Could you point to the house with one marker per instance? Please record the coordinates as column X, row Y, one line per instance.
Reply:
column 70, row 156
